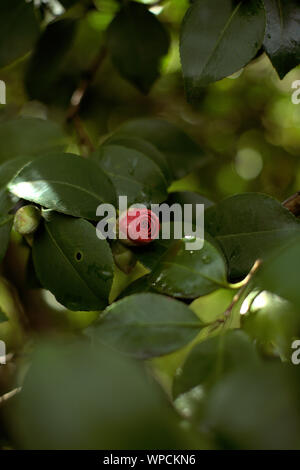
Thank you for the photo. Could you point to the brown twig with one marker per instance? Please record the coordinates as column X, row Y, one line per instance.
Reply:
column 77, row 97
column 293, row 204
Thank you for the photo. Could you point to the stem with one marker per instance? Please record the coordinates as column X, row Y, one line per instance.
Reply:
column 293, row 204
column 77, row 97
column 9, row 395
column 238, row 295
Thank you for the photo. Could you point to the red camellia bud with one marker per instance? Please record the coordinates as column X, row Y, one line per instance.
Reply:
column 139, row 226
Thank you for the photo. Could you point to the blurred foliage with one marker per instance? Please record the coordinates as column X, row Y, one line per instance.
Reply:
column 202, row 384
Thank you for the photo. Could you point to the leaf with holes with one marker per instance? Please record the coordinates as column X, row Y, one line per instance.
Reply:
column 73, row 263
column 218, row 39
column 147, row 325
column 65, row 183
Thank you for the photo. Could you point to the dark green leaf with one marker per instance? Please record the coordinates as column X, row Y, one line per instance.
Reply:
column 18, row 29
column 248, row 226
column 212, row 359
column 282, row 39
column 6, row 221
column 3, row 317
column 137, row 41
column 29, row 137
column 73, row 263
column 147, row 325
column 280, row 272
column 218, row 39
column 48, row 57
column 144, row 147
column 189, row 197
column 132, row 173
column 182, row 153
column 65, row 183
column 271, row 320
column 80, row 397
column 256, row 408
column 187, row 273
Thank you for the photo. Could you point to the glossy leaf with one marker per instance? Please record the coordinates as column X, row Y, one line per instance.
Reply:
column 147, row 325
column 282, row 39
column 145, row 147
column 218, row 39
column 137, row 41
column 18, row 29
column 48, row 58
column 248, row 226
column 188, row 274
column 29, row 137
column 182, row 153
column 65, row 183
column 132, row 173
column 213, row 358
column 73, row 263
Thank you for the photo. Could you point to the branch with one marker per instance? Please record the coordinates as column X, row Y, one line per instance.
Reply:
column 293, row 204
column 77, row 97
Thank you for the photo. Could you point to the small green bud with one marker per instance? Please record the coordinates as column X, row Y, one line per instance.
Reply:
column 27, row 220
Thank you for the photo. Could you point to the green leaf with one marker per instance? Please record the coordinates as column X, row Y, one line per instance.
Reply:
column 10, row 168
column 76, row 396
column 18, row 29
column 280, row 272
column 271, row 321
column 132, row 173
column 212, row 359
column 248, row 226
column 181, row 152
column 6, row 221
column 65, row 183
column 256, row 408
column 29, row 137
column 218, row 39
column 144, row 147
column 189, row 197
column 137, row 41
column 48, row 58
column 73, row 263
column 3, row 317
column 212, row 306
column 147, row 325
column 188, row 274
column 282, row 39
